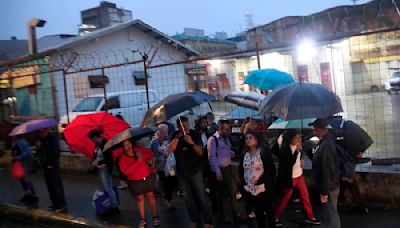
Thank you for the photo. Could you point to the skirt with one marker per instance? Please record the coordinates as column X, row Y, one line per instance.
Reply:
column 140, row 187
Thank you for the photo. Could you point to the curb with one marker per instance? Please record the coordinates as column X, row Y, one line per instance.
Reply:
column 39, row 216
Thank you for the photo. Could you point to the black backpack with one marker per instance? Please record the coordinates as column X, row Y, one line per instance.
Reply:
column 350, row 136
column 346, row 162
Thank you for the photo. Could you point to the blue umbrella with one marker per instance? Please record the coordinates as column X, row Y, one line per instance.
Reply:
column 268, row 79
column 293, row 124
column 32, row 125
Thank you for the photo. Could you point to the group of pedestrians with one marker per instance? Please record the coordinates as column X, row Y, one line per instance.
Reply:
column 199, row 162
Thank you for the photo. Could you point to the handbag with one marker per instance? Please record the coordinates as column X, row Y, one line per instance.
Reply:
column 170, row 165
column 17, row 170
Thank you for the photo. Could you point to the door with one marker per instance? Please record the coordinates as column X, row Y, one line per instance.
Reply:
column 303, row 73
column 326, row 78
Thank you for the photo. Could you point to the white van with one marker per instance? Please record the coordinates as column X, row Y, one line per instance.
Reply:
column 131, row 105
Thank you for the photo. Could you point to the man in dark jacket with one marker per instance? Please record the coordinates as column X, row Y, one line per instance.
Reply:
column 326, row 171
column 48, row 149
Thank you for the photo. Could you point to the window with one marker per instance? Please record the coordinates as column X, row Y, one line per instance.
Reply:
column 138, row 77
column 88, row 104
column 112, row 103
column 130, row 99
column 97, row 81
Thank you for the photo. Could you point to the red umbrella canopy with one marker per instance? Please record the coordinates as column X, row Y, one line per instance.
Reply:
column 76, row 132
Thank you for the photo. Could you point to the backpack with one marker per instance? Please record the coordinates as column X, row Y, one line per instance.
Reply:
column 346, row 162
column 350, row 136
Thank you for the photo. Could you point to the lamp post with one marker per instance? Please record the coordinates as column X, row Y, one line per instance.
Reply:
column 32, row 34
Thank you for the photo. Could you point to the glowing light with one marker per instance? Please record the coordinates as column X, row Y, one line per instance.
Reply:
column 306, row 51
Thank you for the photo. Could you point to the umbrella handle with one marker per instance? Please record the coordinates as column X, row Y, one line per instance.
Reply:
column 180, row 123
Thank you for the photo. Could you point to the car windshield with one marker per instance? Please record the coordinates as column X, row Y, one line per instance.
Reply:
column 88, row 104
column 242, row 113
column 396, row 74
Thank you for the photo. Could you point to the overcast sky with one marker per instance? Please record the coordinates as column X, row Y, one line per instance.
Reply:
column 168, row 16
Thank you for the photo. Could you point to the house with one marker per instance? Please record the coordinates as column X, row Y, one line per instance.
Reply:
column 117, row 51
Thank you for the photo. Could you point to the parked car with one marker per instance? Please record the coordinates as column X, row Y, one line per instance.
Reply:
column 393, row 82
column 130, row 105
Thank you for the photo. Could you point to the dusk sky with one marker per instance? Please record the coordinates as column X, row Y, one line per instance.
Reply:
column 168, row 16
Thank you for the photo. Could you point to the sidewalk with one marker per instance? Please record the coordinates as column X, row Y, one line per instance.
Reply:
column 79, row 191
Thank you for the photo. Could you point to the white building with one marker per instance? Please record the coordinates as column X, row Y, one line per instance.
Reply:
column 116, row 44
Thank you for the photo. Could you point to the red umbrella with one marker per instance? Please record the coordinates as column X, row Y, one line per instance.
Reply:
column 76, row 132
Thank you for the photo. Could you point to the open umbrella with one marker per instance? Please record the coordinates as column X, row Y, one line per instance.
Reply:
column 268, row 79
column 173, row 105
column 301, row 101
column 293, row 124
column 76, row 132
column 245, row 99
column 32, row 125
column 131, row 133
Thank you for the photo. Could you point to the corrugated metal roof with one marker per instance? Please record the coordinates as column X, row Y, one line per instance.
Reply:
column 135, row 23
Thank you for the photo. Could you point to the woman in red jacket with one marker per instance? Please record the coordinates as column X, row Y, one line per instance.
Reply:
column 137, row 164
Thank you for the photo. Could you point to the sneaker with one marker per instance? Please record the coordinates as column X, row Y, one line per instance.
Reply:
column 50, row 208
column 156, row 221
column 59, row 209
column 122, row 186
column 252, row 215
column 170, row 205
column 142, row 223
column 180, row 193
column 278, row 223
column 313, row 221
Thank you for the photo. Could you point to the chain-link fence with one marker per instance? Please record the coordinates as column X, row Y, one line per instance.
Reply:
column 363, row 70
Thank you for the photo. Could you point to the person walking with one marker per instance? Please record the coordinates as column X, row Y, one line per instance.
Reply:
column 326, row 171
column 212, row 127
column 290, row 176
column 159, row 146
column 137, row 164
column 49, row 150
column 257, row 173
column 186, row 145
column 103, row 162
column 21, row 151
column 220, row 150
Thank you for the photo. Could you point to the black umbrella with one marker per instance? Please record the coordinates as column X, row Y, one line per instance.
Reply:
column 245, row 99
column 131, row 133
column 300, row 101
column 173, row 105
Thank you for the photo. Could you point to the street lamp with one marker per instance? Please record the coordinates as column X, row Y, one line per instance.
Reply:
column 306, row 51
column 32, row 34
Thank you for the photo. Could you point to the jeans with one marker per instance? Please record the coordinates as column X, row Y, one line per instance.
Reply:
column 26, row 183
column 106, row 181
column 330, row 216
column 54, row 186
column 197, row 201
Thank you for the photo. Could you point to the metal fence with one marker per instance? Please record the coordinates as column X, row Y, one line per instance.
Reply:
column 358, row 69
